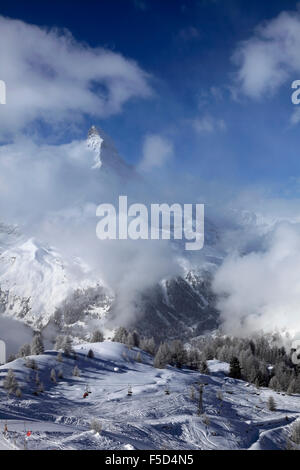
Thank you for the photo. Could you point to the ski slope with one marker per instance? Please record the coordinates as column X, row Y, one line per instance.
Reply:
column 235, row 413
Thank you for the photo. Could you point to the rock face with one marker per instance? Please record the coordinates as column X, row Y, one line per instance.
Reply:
column 183, row 307
column 94, row 142
column 106, row 155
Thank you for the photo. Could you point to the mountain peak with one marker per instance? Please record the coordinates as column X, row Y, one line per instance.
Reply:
column 94, row 142
column 105, row 152
column 93, row 130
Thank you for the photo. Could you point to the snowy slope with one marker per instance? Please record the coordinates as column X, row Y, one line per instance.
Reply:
column 59, row 418
column 34, row 280
column 31, row 268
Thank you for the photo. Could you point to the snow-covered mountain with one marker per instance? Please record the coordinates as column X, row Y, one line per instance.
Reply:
column 106, row 155
column 181, row 307
column 29, row 266
column 39, row 285
column 235, row 414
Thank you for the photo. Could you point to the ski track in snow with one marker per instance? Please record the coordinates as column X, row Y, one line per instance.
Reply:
column 149, row 419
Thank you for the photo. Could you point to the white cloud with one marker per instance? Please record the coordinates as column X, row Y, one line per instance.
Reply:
column 157, row 151
column 270, row 57
column 216, row 93
column 261, row 289
column 295, row 116
column 208, row 124
column 49, row 75
column 52, row 192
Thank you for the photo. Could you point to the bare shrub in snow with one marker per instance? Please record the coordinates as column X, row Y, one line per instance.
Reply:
column 76, row 371
column 31, row 364
column 59, row 357
column 295, row 433
column 95, row 425
column 53, row 375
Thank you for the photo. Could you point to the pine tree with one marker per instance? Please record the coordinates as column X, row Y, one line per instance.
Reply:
column 162, row 357
column 10, row 382
column 271, row 404
column 193, row 359
column 178, row 353
column 136, row 339
column 11, row 358
column 274, row 383
column 292, row 387
column 130, row 340
column 97, row 337
column 67, row 346
column 90, row 354
column 37, row 346
column 59, row 342
column 121, row 335
column 24, row 350
column 203, row 368
column 235, row 368
column 133, row 340
column 148, row 345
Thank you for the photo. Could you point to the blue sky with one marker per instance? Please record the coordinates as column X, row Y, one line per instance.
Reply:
column 218, row 127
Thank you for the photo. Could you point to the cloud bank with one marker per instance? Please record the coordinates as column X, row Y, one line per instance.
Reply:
column 270, row 57
column 52, row 192
column 51, row 76
column 260, row 290
column 208, row 125
column 157, row 151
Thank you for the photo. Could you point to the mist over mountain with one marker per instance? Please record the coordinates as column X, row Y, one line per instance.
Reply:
column 62, row 276
column 56, row 275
